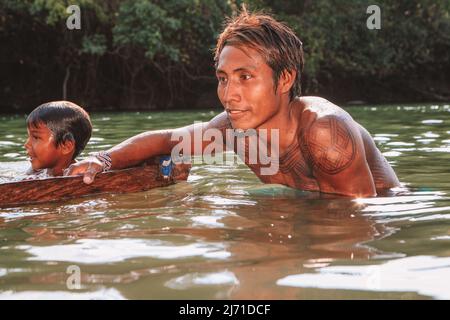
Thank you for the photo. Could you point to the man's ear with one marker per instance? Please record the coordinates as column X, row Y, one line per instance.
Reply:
column 67, row 146
column 287, row 79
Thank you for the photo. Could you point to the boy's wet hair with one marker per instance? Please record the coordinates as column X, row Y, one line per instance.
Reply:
column 277, row 43
column 66, row 120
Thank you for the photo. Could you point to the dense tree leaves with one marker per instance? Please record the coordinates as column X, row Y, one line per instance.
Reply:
column 144, row 54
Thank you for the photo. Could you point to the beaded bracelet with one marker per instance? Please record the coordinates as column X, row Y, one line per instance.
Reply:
column 105, row 159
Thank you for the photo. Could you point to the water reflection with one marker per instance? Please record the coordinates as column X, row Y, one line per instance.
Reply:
column 247, row 238
column 223, row 234
column 102, row 294
column 97, row 251
column 426, row 275
column 218, row 246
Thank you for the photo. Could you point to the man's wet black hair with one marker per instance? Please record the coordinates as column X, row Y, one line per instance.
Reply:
column 66, row 120
column 275, row 41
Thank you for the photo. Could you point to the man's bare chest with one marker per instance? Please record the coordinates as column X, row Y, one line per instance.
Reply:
column 293, row 169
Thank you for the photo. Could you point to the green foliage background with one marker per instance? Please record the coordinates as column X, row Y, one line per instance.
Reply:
column 147, row 54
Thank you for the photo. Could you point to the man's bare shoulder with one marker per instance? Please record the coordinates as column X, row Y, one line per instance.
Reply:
column 328, row 135
column 316, row 108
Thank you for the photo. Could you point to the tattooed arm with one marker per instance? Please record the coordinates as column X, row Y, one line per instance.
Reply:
column 335, row 151
column 149, row 144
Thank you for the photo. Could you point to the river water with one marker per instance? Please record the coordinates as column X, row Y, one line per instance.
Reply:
column 225, row 235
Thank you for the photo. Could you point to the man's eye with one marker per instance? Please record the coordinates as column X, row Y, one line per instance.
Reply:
column 35, row 137
column 222, row 80
column 246, row 77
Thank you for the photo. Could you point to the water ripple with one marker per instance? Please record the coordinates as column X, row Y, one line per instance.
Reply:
column 97, row 251
column 426, row 275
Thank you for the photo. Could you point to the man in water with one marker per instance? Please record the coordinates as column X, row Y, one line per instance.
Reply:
column 259, row 65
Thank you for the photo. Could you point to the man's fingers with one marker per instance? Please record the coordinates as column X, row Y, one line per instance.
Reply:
column 87, row 168
column 90, row 174
column 69, row 171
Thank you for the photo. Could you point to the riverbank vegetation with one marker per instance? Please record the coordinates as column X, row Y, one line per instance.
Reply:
column 142, row 54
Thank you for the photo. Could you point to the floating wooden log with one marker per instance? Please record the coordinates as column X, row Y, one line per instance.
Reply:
column 135, row 179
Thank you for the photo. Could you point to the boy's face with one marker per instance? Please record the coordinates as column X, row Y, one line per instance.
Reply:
column 41, row 148
column 246, row 87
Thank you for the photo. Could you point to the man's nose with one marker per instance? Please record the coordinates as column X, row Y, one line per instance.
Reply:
column 232, row 93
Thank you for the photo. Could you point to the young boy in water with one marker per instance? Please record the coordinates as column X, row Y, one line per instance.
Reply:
column 58, row 131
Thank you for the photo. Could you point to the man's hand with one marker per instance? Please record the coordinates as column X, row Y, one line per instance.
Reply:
column 88, row 168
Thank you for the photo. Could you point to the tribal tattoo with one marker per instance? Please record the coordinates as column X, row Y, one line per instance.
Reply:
column 329, row 145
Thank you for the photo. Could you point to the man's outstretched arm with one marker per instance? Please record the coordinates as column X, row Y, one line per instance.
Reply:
column 335, row 150
column 142, row 147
